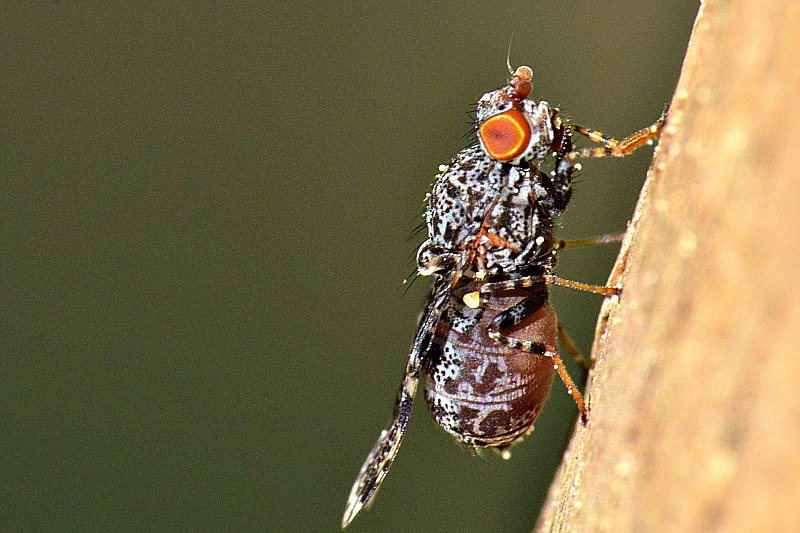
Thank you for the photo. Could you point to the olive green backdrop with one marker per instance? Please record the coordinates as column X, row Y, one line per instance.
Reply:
column 205, row 217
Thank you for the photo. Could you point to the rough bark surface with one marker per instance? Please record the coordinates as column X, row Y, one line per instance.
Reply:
column 695, row 415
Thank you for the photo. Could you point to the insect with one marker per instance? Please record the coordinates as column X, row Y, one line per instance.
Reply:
column 486, row 346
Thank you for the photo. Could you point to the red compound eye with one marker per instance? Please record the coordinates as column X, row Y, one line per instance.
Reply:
column 506, row 135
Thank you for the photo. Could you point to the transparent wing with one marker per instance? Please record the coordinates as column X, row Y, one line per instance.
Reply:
column 380, row 459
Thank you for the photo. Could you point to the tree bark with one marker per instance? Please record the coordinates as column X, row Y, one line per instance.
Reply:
column 694, row 420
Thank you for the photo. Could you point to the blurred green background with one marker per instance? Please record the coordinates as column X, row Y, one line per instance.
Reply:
column 205, row 213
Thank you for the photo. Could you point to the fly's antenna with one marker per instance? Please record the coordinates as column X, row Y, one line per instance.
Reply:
column 508, row 55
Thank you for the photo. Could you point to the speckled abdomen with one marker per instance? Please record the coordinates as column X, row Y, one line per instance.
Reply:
column 483, row 393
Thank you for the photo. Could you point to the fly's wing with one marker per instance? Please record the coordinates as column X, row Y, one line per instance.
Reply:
column 383, row 453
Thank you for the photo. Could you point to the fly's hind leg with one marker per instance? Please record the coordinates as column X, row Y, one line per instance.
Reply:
column 571, row 347
column 519, row 312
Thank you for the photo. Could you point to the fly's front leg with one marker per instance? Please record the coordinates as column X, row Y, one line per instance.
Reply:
column 563, row 167
column 612, row 147
column 519, row 312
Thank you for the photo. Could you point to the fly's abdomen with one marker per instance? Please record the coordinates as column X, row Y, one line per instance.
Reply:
column 483, row 393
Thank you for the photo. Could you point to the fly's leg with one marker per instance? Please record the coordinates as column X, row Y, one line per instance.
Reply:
column 612, row 147
column 563, row 168
column 571, row 347
column 586, row 287
column 565, row 339
column 520, row 312
column 599, row 239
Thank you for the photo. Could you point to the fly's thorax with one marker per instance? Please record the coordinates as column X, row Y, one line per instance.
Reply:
column 485, row 216
column 463, row 191
column 461, row 196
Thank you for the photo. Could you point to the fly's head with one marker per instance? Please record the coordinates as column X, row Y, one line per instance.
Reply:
column 512, row 128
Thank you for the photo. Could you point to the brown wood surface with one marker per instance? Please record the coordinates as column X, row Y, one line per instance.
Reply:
column 694, row 420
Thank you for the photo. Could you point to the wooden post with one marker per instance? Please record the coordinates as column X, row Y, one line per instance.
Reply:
column 694, row 421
